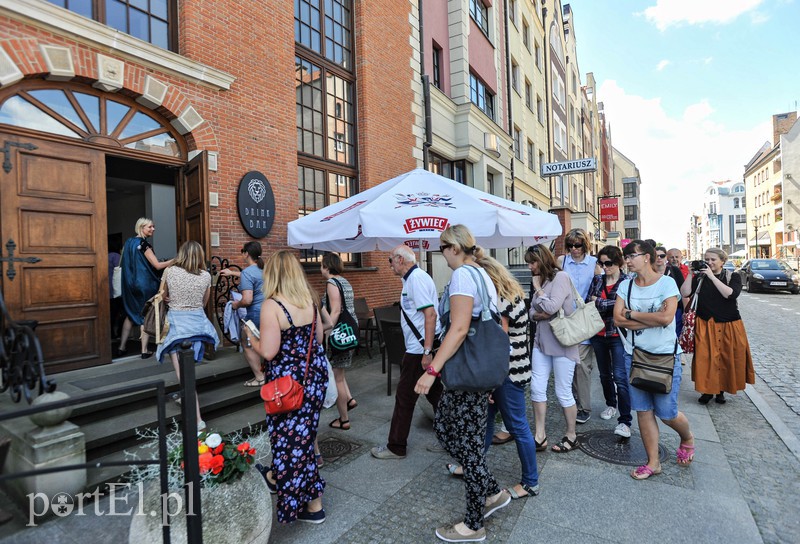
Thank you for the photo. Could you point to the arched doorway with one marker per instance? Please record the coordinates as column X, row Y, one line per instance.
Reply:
column 66, row 149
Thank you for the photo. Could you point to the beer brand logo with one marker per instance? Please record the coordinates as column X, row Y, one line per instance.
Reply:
column 424, row 199
column 415, row 224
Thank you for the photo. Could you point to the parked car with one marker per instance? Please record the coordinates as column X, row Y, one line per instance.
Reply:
column 769, row 275
column 729, row 266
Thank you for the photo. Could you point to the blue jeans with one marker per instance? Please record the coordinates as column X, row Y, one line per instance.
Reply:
column 610, row 355
column 509, row 398
column 665, row 406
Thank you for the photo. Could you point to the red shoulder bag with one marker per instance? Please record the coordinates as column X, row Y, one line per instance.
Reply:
column 284, row 394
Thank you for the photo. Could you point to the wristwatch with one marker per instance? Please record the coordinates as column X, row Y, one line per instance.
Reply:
column 426, row 351
column 627, row 314
column 432, row 371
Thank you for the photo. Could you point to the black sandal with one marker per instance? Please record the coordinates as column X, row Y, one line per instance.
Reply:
column 352, row 404
column 540, row 446
column 344, row 425
column 566, row 445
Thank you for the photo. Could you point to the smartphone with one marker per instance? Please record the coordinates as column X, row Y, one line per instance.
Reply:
column 252, row 328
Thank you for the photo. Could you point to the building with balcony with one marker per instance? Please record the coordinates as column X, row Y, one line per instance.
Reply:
column 626, row 172
column 723, row 218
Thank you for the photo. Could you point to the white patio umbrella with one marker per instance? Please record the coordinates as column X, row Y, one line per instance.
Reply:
column 414, row 208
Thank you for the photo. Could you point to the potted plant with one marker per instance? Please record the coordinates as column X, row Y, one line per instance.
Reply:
column 235, row 502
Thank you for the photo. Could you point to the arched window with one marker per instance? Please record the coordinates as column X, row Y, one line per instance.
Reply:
column 88, row 115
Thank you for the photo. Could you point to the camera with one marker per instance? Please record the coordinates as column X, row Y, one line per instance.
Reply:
column 697, row 266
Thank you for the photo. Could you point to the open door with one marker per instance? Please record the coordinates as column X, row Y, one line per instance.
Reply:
column 53, row 207
column 193, row 208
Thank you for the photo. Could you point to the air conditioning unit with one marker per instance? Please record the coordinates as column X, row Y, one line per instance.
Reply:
column 491, row 144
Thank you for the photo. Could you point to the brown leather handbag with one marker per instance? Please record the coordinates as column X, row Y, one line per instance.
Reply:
column 285, row 394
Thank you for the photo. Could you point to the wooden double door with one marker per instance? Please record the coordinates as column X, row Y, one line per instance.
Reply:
column 53, row 206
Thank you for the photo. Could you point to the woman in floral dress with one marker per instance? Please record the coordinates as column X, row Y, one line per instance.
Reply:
column 287, row 315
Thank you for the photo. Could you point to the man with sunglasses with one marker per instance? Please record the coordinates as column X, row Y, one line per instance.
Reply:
column 420, row 324
column 582, row 269
column 667, row 269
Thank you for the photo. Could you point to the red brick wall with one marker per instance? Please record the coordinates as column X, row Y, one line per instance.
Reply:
column 252, row 125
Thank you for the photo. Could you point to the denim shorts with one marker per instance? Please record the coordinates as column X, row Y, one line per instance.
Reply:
column 665, row 406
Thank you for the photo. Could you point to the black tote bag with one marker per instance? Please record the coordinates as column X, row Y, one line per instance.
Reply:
column 344, row 335
column 481, row 363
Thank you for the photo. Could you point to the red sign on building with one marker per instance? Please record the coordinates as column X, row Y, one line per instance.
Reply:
column 609, row 209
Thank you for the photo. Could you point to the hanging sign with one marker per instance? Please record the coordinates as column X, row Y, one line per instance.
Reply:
column 568, row 167
column 609, row 209
column 256, row 204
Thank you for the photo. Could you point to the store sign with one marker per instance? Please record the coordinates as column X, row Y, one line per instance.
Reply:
column 256, row 204
column 568, row 167
column 609, row 209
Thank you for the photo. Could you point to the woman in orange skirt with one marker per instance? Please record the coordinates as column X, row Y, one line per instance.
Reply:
column 722, row 360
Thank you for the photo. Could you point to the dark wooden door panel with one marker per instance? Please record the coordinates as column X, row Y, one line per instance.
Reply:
column 193, row 208
column 53, row 206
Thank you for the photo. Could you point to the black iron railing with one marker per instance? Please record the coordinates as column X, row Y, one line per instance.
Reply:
column 222, row 290
column 21, row 363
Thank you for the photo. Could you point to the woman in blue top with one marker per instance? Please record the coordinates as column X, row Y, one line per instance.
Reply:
column 251, row 283
column 645, row 308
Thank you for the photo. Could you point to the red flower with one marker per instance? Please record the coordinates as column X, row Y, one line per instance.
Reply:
column 252, row 451
column 217, row 462
column 219, row 449
column 205, row 462
column 243, row 448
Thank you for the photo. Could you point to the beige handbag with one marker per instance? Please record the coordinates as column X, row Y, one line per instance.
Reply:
column 584, row 322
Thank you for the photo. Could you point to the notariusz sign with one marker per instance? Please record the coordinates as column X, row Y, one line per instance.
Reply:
column 569, row 167
column 256, row 204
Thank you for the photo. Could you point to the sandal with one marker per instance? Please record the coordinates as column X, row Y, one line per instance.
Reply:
column 452, row 468
column 320, row 461
column 272, row 486
column 497, row 440
column 352, row 404
column 147, row 354
column 541, row 446
column 529, row 491
column 343, row 425
column 644, row 472
column 566, row 445
column 254, row 382
column 685, row 454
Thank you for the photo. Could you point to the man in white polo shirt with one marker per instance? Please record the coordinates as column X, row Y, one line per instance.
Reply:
column 420, row 324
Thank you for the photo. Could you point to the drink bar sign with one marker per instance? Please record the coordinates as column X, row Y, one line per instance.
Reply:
column 256, row 204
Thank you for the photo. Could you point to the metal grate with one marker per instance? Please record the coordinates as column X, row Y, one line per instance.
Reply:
column 606, row 446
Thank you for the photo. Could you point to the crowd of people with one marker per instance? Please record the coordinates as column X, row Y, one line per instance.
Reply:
column 640, row 293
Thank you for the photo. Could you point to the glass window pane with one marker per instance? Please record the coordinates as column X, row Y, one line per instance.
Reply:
column 114, row 114
column 21, row 113
column 81, row 7
column 159, row 8
column 163, row 144
column 139, row 25
column 57, row 101
column 117, row 15
column 91, row 107
column 138, row 124
column 159, row 33
column 141, row 4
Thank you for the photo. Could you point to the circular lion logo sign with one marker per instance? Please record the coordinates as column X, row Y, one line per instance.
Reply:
column 256, row 204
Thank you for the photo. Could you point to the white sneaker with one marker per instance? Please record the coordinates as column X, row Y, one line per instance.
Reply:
column 608, row 413
column 623, row 431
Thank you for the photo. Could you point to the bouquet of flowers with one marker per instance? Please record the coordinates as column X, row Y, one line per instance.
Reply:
column 223, row 458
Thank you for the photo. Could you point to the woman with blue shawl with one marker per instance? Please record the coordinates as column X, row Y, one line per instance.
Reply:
column 140, row 281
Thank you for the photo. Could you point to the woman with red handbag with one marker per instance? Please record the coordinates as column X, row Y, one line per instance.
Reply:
column 291, row 342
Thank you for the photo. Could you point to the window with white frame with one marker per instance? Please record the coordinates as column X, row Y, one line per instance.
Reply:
column 528, row 94
column 526, row 34
column 540, row 109
column 559, row 93
column 481, row 96
column 560, row 135
column 480, row 14
column 515, row 76
column 531, row 157
column 517, row 144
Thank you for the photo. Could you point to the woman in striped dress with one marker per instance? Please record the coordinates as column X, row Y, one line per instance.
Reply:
column 509, row 398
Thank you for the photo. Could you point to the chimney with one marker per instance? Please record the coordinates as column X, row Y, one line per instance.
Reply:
column 781, row 124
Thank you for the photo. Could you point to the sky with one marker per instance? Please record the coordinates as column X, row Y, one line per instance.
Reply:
column 689, row 89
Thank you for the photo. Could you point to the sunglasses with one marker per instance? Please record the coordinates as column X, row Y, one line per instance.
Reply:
column 607, row 264
column 633, row 255
column 661, row 255
column 445, row 246
column 574, row 246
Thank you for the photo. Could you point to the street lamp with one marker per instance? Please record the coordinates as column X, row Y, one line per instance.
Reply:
column 755, row 226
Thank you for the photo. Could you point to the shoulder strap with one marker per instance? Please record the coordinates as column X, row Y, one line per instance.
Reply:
column 633, row 333
column 411, row 326
column 486, row 311
column 285, row 311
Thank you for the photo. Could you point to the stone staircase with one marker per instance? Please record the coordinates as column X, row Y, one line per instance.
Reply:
column 110, row 425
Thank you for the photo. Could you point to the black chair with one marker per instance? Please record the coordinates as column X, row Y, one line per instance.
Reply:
column 366, row 325
column 394, row 348
column 389, row 314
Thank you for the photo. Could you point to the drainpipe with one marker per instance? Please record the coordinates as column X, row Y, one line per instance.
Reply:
column 547, row 99
column 508, row 97
column 426, row 91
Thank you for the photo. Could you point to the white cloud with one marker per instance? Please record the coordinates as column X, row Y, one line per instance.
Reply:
column 677, row 156
column 667, row 13
column 663, row 64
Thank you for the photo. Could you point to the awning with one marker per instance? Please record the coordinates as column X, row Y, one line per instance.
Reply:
column 763, row 240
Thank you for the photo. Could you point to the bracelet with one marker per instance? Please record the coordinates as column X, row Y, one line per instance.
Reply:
column 432, row 371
